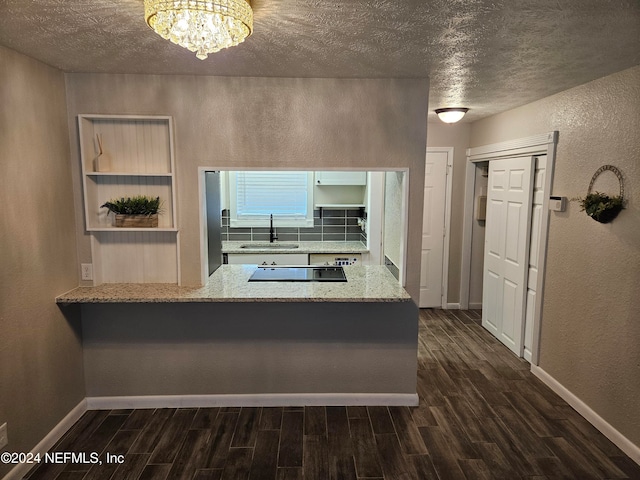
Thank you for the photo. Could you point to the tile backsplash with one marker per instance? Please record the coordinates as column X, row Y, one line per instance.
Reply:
column 334, row 225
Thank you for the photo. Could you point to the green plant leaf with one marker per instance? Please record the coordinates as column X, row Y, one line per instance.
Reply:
column 137, row 205
column 600, row 205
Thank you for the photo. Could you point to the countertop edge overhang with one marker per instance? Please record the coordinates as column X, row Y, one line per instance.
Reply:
column 302, row 247
column 229, row 284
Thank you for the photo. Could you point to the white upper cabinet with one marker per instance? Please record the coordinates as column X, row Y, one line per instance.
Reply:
column 340, row 178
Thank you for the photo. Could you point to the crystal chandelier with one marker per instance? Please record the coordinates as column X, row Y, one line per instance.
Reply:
column 201, row 26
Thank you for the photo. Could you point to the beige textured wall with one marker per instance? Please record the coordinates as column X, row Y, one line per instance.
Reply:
column 455, row 135
column 41, row 371
column 297, row 123
column 591, row 326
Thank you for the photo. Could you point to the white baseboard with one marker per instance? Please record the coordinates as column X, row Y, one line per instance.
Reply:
column 622, row 442
column 453, row 306
column 21, row 469
column 475, row 306
column 259, row 400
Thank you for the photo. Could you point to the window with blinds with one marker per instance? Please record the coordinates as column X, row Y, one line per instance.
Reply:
column 255, row 195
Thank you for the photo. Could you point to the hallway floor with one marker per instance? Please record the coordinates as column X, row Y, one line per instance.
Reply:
column 482, row 415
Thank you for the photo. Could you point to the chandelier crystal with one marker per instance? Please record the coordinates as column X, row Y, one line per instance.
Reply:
column 203, row 27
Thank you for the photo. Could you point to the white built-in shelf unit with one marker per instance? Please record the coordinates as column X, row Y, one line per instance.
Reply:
column 137, row 159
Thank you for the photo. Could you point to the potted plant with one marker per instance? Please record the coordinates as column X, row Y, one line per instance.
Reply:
column 135, row 212
column 601, row 207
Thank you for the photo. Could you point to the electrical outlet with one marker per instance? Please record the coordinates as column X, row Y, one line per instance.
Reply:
column 87, row 271
column 4, row 438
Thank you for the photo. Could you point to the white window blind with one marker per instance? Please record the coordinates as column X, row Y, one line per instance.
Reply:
column 255, row 195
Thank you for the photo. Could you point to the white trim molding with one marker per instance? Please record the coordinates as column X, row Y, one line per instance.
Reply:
column 467, row 234
column 513, row 148
column 253, row 400
column 20, row 470
column 608, row 430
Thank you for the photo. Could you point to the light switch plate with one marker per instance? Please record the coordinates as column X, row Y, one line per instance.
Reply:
column 557, row 204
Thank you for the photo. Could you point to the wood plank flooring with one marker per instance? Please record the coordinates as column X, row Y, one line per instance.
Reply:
column 482, row 415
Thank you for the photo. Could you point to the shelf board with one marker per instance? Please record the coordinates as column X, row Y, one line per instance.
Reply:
column 340, row 205
column 128, row 174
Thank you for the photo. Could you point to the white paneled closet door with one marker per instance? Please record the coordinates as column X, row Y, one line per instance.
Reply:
column 506, row 257
column 535, row 252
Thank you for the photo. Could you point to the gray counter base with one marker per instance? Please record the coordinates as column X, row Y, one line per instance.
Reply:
column 206, row 351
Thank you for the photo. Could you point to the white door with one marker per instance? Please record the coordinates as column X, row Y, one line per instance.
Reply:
column 433, row 229
column 535, row 252
column 506, row 254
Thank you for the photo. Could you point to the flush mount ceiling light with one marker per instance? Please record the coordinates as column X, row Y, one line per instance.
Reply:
column 203, row 27
column 451, row 115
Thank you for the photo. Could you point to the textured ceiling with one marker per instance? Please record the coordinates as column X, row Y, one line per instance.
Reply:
column 487, row 55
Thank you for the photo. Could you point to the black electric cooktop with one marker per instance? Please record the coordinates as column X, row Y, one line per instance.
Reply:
column 298, row 274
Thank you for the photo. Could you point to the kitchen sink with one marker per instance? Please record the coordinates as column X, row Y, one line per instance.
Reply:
column 269, row 246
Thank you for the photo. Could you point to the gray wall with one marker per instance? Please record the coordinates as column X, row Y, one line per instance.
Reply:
column 241, row 123
column 590, row 324
column 40, row 353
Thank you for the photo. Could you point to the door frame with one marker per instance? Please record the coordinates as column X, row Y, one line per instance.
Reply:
column 447, row 223
column 542, row 144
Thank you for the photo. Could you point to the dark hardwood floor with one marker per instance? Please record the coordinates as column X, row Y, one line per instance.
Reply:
column 482, row 415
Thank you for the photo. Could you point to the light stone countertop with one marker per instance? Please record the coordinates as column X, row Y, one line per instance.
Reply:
column 365, row 283
column 303, row 247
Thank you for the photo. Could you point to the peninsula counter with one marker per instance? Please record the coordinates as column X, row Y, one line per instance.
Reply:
column 231, row 342
column 230, row 283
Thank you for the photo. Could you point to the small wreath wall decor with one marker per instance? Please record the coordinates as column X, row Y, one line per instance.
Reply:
column 601, row 207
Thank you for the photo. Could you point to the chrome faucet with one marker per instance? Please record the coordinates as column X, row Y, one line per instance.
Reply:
column 272, row 235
